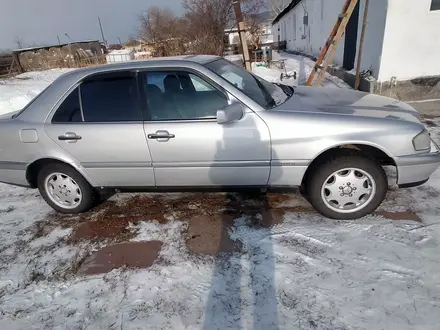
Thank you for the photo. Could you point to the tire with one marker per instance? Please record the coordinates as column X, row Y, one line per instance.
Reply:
column 58, row 183
column 336, row 187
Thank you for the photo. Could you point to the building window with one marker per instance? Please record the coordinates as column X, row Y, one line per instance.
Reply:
column 435, row 5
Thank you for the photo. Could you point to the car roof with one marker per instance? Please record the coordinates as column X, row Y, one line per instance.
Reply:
column 152, row 62
column 66, row 81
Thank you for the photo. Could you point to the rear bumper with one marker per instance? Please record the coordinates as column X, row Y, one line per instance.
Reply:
column 13, row 173
column 416, row 169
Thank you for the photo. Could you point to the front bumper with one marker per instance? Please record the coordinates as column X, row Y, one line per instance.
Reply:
column 416, row 169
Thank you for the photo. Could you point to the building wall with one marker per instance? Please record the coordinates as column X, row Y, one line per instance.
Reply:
column 322, row 16
column 412, row 41
column 310, row 38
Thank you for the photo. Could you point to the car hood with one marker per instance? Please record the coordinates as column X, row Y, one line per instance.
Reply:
column 348, row 102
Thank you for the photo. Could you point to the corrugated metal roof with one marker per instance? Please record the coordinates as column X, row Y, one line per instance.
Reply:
column 21, row 50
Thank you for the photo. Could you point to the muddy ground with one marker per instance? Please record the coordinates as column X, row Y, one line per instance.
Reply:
column 209, row 217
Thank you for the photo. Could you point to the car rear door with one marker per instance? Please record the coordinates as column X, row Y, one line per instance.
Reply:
column 100, row 124
column 187, row 145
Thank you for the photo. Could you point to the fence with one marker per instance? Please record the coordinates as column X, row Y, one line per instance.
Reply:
column 5, row 64
column 46, row 63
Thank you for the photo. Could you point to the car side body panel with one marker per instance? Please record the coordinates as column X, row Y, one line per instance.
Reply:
column 204, row 153
column 16, row 156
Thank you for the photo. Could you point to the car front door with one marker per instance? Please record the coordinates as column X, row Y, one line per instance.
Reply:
column 100, row 124
column 188, row 147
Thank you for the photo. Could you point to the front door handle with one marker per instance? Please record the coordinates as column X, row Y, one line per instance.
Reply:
column 161, row 136
column 70, row 137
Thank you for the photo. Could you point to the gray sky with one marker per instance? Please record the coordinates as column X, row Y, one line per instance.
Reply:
column 40, row 21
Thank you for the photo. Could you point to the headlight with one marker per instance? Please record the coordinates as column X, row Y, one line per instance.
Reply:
column 422, row 141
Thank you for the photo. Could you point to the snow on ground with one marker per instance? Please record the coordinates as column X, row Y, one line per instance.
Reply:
column 15, row 93
column 302, row 65
column 305, row 272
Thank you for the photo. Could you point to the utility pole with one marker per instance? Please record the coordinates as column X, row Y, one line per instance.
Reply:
column 120, row 42
column 59, row 41
column 361, row 47
column 242, row 34
column 102, row 32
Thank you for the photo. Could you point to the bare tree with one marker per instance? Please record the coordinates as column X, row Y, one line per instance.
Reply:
column 253, row 30
column 162, row 28
column 277, row 6
column 201, row 30
column 207, row 20
column 19, row 42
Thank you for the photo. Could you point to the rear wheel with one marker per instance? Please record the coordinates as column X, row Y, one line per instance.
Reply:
column 64, row 189
column 347, row 187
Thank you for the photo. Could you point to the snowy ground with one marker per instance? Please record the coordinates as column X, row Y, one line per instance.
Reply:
column 15, row 93
column 290, row 269
column 295, row 63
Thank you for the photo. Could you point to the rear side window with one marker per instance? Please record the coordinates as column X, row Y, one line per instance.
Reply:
column 70, row 110
column 103, row 98
column 110, row 98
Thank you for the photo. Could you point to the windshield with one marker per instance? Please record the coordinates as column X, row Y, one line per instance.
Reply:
column 266, row 94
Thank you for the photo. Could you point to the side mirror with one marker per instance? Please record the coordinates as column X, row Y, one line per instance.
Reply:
column 230, row 113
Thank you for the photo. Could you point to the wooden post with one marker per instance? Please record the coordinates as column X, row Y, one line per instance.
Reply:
column 242, row 34
column 341, row 31
column 361, row 46
column 15, row 64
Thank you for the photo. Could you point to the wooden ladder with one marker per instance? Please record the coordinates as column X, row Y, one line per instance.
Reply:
column 333, row 40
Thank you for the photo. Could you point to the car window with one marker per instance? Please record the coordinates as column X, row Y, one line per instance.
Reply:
column 179, row 95
column 70, row 110
column 110, row 98
column 266, row 94
column 199, row 84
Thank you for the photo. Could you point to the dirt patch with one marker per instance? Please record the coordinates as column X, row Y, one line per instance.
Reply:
column 407, row 215
column 209, row 234
column 430, row 123
column 109, row 228
column 131, row 255
column 110, row 220
column 270, row 218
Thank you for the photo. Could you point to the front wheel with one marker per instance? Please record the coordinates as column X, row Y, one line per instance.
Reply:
column 347, row 187
column 64, row 189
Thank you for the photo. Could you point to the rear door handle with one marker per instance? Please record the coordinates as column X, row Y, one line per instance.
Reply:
column 161, row 136
column 70, row 137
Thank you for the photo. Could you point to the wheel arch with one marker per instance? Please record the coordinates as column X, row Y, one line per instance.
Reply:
column 368, row 150
column 35, row 167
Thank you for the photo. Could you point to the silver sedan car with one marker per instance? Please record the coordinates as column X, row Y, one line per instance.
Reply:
column 202, row 122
